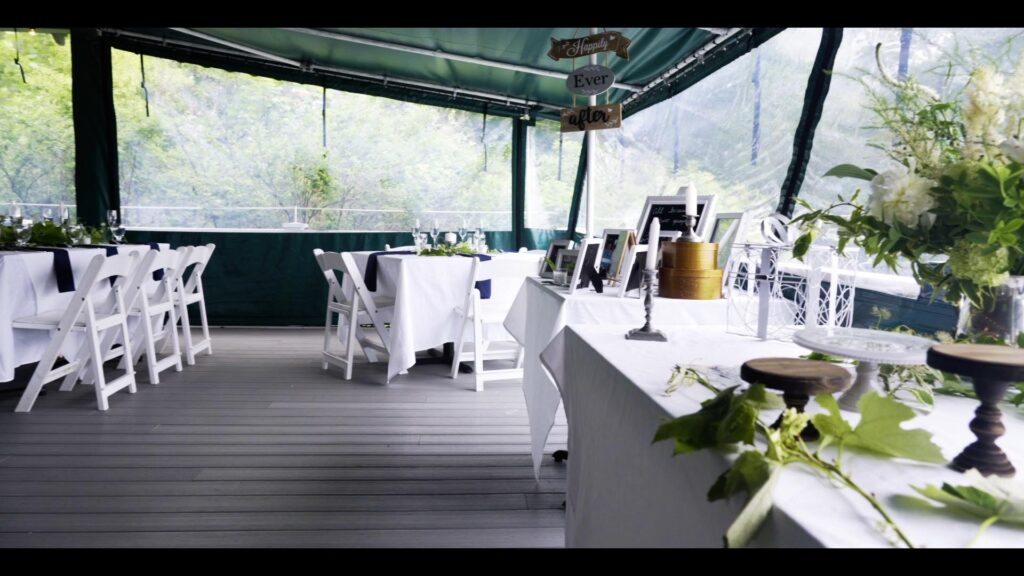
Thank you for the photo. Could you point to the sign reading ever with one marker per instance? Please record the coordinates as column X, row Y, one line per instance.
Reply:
column 576, row 47
column 590, row 80
column 591, row 118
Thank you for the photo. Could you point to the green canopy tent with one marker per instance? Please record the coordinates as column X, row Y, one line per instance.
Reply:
column 499, row 71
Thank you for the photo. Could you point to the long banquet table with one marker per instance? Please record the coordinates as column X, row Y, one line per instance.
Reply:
column 625, row 491
column 28, row 286
column 541, row 311
column 427, row 292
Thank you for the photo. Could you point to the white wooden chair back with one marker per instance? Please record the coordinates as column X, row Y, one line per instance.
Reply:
column 348, row 266
column 473, row 311
column 86, row 311
column 191, row 292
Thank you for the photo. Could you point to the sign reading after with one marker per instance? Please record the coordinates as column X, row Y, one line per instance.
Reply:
column 591, row 118
column 576, row 47
column 590, row 80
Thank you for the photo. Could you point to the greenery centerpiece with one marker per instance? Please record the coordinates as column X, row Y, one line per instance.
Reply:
column 449, row 250
column 957, row 193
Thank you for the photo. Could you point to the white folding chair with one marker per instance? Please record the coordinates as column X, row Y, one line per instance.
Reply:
column 357, row 308
column 477, row 312
column 158, row 319
column 191, row 292
column 86, row 315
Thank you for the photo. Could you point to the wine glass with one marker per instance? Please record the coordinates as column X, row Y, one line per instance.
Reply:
column 112, row 219
column 47, row 214
column 434, row 231
column 462, row 231
column 24, row 229
column 77, row 234
column 118, row 232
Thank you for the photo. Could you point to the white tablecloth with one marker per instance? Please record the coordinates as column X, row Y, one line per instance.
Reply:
column 625, row 491
column 28, row 286
column 540, row 311
column 428, row 290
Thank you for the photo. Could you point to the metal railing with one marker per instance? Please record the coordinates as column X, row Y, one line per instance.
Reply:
column 269, row 218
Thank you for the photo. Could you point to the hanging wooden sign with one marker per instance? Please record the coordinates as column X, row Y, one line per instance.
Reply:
column 603, row 42
column 589, row 118
column 590, row 80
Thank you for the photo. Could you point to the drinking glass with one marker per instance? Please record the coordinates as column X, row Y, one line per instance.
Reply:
column 112, row 219
column 118, row 232
column 462, row 232
column 24, row 228
column 434, row 233
column 77, row 233
column 47, row 214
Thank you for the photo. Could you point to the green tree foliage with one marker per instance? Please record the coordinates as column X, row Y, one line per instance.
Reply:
column 37, row 144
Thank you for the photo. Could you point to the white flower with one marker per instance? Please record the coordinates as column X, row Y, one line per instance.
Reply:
column 900, row 196
column 984, row 114
column 1013, row 149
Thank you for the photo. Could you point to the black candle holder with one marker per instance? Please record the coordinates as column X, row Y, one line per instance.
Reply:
column 646, row 332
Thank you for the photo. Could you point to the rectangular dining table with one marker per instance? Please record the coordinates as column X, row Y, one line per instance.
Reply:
column 429, row 291
column 28, row 286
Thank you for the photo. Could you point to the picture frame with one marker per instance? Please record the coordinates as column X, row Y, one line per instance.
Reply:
column 634, row 265
column 566, row 262
column 615, row 245
column 554, row 248
column 588, row 255
column 671, row 212
column 729, row 228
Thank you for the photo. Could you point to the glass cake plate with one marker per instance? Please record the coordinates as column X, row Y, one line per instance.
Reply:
column 870, row 348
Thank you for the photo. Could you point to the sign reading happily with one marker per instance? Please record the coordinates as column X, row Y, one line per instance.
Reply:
column 590, row 80
column 589, row 118
column 576, row 47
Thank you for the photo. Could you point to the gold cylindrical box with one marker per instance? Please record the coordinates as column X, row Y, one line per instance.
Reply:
column 690, row 271
column 690, row 255
column 690, row 284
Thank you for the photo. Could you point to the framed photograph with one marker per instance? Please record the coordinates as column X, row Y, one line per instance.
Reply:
column 632, row 268
column 586, row 263
column 552, row 253
column 729, row 228
column 614, row 247
column 671, row 212
column 566, row 264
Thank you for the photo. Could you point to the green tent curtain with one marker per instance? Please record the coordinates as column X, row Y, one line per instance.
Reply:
column 92, row 98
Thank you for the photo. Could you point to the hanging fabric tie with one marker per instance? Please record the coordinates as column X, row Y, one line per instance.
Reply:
column 17, row 56
column 560, row 156
column 324, row 114
column 905, row 37
column 483, row 137
column 145, row 91
column 755, row 138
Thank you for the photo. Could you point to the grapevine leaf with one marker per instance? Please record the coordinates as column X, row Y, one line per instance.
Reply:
column 851, row 171
column 984, row 496
column 748, row 473
column 879, row 429
column 753, row 515
column 693, row 432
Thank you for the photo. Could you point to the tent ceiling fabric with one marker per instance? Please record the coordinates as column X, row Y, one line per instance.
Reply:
column 652, row 52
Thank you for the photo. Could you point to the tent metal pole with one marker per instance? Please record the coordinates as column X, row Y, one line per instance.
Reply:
column 588, row 223
column 237, row 46
column 446, row 55
column 488, row 96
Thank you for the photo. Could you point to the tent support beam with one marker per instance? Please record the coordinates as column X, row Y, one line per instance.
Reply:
column 577, row 190
column 519, row 134
column 501, row 99
column 447, row 56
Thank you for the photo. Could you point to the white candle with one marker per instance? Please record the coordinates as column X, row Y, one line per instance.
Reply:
column 691, row 200
column 435, row 224
column 450, row 238
column 652, row 243
column 417, row 223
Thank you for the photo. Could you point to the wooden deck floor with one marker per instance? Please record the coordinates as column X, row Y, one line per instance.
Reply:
column 257, row 446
